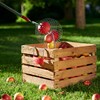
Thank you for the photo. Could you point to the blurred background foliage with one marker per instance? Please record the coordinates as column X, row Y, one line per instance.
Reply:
column 40, row 9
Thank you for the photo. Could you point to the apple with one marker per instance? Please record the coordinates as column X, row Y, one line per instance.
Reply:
column 10, row 79
column 65, row 58
column 43, row 87
column 48, row 38
column 86, row 54
column 46, row 97
column 87, row 82
column 96, row 96
column 55, row 34
column 51, row 45
column 64, row 45
column 6, row 97
column 38, row 60
column 51, row 36
column 18, row 96
column 44, row 27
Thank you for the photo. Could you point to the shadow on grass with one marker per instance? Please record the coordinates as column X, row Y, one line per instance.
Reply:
column 10, row 47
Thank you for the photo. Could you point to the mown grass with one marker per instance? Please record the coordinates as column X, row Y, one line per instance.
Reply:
column 12, row 36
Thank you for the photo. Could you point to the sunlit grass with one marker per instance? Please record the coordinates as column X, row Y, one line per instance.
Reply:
column 85, row 39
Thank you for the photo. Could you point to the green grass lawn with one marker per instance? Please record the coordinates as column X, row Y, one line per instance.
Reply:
column 12, row 36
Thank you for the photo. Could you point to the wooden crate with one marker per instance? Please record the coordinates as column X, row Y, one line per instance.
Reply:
column 54, row 72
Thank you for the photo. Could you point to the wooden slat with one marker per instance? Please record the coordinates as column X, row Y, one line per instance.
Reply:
column 77, row 44
column 74, row 62
column 75, row 72
column 79, row 48
column 38, row 80
column 33, row 50
column 44, row 45
column 74, row 51
column 37, row 71
column 66, row 82
column 29, row 61
column 28, row 50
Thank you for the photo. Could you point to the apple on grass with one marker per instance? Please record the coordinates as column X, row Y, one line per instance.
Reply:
column 18, row 96
column 96, row 96
column 10, row 79
column 43, row 87
column 46, row 97
column 6, row 97
column 87, row 83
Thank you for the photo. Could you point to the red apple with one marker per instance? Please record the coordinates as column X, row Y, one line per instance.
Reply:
column 10, row 79
column 44, row 27
column 38, row 60
column 52, row 36
column 18, row 96
column 43, row 87
column 87, row 82
column 96, row 96
column 48, row 38
column 64, row 45
column 55, row 33
column 46, row 97
column 65, row 58
column 6, row 97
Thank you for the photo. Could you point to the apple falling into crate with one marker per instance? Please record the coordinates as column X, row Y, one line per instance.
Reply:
column 50, row 72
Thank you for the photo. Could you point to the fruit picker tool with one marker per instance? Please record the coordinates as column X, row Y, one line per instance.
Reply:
column 17, row 13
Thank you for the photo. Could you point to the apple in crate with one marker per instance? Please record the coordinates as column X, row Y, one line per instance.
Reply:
column 65, row 45
column 10, row 79
column 44, row 27
column 18, row 96
column 43, row 87
column 6, row 97
column 46, row 97
column 65, row 58
column 38, row 60
column 96, row 96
